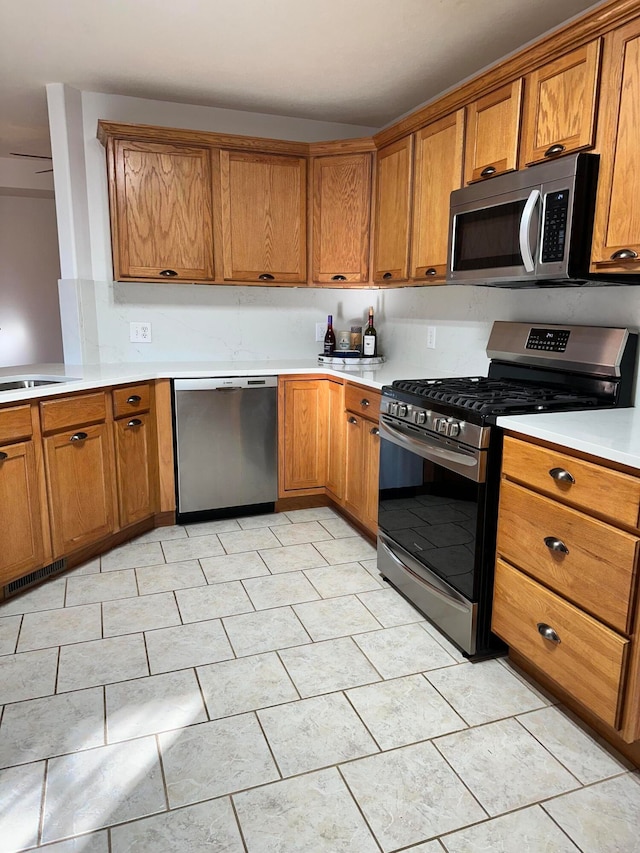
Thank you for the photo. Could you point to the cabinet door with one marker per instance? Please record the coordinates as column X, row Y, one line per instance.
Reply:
column 263, row 217
column 80, row 481
column 371, row 476
column 341, row 206
column 335, row 440
column 439, row 151
column 133, row 467
column 22, row 543
column 302, row 450
column 560, row 106
column 161, row 212
column 493, row 123
column 616, row 243
column 356, row 455
column 393, row 212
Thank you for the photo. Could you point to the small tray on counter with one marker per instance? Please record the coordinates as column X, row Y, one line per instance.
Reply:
column 350, row 358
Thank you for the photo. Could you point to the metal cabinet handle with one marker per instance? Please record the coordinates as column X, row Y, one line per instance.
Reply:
column 364, row 402
column 266, row 276
column 338, row 278
column 3, row 455
column 552, row 150
column 134, row 422
column 624, row 255
column 487, row 171
column 375, row 431
column 352, row 420
column 168, row 273
column 388, row 275
column 133, row 399
column 79, row 436
column 561, row 475
column 554, row 544
column 548, row 633
column 431, row 271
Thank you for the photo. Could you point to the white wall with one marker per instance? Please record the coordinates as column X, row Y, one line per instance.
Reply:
column 29, row 270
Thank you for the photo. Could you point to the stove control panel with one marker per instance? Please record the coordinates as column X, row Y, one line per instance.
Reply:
column 420, row 421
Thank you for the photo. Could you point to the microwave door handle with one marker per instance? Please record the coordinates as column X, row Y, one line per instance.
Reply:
column 525, row 226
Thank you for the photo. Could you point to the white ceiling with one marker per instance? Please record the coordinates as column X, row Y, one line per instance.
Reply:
column 361, row 62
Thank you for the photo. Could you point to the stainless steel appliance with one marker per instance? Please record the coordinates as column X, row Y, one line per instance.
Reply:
column 226, row 445
column 525, row 228
column 440, row 457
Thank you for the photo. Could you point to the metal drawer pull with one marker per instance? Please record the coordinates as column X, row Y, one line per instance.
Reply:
column 134, row 422
column 554, row 149
column 79, row 436
column 561, row 475
column 133, row 399
column 3, row 455
column 364, row 402
column 554, row 544
column 488, row 170
column 266, row 276
column 624, row 255
column 431, row 271
column 338, row 278
column 168, row 273
column 548, row 633
column 353, row 420
column 375, row 431
column 388, row 275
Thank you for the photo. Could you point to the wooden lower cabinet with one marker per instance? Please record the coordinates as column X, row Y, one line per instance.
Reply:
column 335, row 440
column 302, row 438
column 133, row 448
column 362, row 455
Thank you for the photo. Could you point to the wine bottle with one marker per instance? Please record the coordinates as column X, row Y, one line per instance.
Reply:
column 330, row 337
column 370, row 337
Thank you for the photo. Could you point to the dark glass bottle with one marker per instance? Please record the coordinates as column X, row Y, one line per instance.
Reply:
column 370, row 337
column 330, row 337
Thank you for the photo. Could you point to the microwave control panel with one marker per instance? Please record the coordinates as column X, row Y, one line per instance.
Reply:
column 556, row 210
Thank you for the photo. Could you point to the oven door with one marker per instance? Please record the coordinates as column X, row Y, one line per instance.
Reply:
column 431, row 517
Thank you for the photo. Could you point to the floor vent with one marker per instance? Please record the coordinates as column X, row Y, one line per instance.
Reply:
column 33, row 578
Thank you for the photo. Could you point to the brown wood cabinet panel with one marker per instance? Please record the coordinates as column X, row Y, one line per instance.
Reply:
column 616, row 241
column 134, row 447
column 15, row 423
column 597, row 570
column 131, row 399
column 362, row 454
column 589, row 660
column 371, row 477
column 21, row 512
column 72, row 411
column 161, row 211
column 560, row 105
column 493, row 124
column 80, row 480
column 263, row 217
column 439, row 150
column 393, row 212
column 600, row 491
column 356, row 454
column 336, row 437
column 341, row 218
column 362, row 400
column 302, row 451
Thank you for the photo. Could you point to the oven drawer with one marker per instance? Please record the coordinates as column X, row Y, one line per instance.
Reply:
column 596, row 572
column 595, row 488
column 366, row 401
column 587, row 659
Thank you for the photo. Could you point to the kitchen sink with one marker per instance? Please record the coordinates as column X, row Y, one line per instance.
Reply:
column 14, row 383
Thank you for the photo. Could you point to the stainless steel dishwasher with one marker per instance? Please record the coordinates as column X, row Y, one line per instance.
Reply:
column 226, row 445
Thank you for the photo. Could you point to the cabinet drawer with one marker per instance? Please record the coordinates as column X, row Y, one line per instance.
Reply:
column 597, row 573
column 596, row 489
column 365, row 401
column 72, row 411
column 133, row 398
column 589, row 659
column 15, row 423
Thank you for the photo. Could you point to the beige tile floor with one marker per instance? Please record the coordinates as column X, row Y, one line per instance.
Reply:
column 252, row 686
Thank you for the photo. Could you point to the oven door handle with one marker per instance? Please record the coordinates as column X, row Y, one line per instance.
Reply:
column 428, row 448
column 525, row 226
column 443, row 591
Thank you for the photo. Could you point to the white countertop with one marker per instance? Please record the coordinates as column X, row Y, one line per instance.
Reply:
column 612, row 434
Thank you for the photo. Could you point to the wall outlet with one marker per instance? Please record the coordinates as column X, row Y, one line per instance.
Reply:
column 431, row 337
column 321, row 331
column 140, row 333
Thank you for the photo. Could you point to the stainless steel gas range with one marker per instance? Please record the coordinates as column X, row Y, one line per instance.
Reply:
column 440, row 454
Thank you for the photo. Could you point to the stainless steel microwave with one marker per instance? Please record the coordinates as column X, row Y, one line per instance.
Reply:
column 527, row 228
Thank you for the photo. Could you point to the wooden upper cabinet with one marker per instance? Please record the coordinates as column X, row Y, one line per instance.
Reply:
column 493, row 124
column 263, row 217
column 161, row 220
column 560, row 106
column 341, row 218
column 393, row 212
column 616, row 241
column 439, row 152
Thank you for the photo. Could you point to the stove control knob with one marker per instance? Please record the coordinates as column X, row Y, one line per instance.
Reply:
column 440, row 425
column 453, row 429
column 402, row 410
column 392, row 408
column 420, row 417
